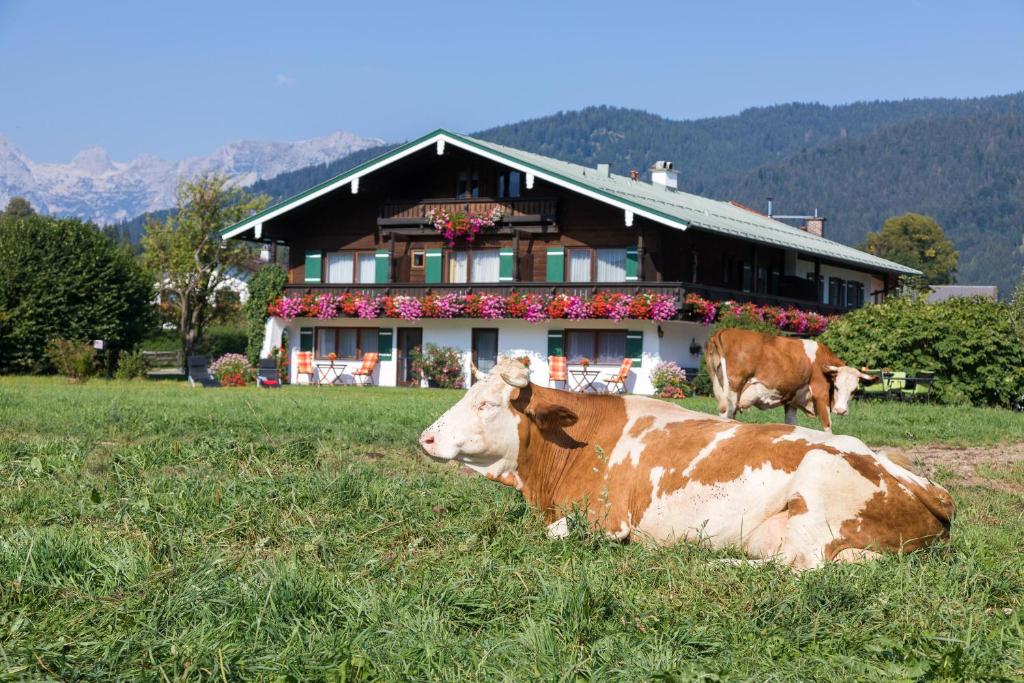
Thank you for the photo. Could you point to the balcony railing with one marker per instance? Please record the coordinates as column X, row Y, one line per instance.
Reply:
column 523, row 211
column 721, row 294
column 419, row 290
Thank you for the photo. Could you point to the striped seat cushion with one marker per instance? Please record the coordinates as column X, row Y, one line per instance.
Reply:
column 304, row 362
column 557, row 368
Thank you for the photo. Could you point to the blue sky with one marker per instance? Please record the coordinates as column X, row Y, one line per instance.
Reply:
column 179, row 79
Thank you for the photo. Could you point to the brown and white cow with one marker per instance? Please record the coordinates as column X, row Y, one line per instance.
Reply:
column 648, row 468
column 749, row 368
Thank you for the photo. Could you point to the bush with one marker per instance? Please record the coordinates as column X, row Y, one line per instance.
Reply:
column 264, row 288
column 441, row 365
column 218, row 341
column 74, row 359
column 969, row 344
column 669, row 380
column 232, row 370
column 130, row 365
column 62, row 278
column 743, row 320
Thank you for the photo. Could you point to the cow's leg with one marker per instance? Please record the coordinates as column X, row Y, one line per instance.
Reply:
column 559, row 528
column 857, row 555
column 790, row 415
column 821, row 409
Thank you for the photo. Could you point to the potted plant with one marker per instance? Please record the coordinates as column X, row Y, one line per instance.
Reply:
column 332, row 356
column 585, row 362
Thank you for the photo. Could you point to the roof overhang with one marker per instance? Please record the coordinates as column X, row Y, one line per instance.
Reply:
column 439, row 139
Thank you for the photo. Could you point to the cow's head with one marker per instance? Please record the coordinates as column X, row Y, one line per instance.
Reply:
column 845, row 381
column 483, row 430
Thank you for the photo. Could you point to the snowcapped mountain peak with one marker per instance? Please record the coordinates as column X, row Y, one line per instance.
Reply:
column 93, row 187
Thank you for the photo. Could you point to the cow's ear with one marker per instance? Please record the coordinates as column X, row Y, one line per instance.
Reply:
column 831, row 370
column 868, row 379
column 550, row 415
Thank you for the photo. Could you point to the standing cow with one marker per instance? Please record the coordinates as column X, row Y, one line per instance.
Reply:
column 640, row 466
column 749, row 368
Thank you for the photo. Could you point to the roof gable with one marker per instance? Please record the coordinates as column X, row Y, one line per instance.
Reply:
column 669, row 207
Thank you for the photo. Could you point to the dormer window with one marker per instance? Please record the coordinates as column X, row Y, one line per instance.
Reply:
column 509, row 183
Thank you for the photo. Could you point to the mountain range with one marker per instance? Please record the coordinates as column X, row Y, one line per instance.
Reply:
column 93, row 187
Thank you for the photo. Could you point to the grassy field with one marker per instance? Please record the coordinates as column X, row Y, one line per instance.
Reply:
column 156, row 532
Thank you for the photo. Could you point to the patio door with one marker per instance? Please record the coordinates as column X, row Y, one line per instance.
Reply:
column 408, row 339
column 485, row 349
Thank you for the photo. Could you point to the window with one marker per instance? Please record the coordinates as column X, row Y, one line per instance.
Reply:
column 509, row 184
column 606, row 347
column 346, row 267
column 348, row 343
column 579, row 265
column 836, row 292
column 746, row 277
column 821, row 286
column 467, row 185
column 611, row 265
column 458, row 266
column 597, row 265
column 418, row 258
column 485, row 265
column 854, row 294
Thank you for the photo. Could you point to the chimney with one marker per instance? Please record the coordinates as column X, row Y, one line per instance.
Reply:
column 604, row 170
column 664, row 175
column 815, row 225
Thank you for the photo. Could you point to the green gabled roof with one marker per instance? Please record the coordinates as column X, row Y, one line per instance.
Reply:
column 671, row 207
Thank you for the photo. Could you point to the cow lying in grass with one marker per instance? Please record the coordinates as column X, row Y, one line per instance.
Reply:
column 646, row 467
column 749, row 368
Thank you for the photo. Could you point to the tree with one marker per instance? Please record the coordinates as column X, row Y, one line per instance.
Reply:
column 916, row 241
column 1017, row 311
column 61, row 278
column 187, row 255
column 264, row 287
column 18, row 207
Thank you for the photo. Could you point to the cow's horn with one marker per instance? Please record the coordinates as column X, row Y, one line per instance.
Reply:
column 476, row 372
column 518, row 382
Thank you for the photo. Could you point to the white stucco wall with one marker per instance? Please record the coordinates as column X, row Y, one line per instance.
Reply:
column 515, row 338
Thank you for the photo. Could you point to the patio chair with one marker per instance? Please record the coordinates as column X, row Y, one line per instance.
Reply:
column 267, row 375
column 921, row 389
column 364, row 375
column 199, row 372
column 617, row 383
column 875, row 389
column 897, row 383
column 558, row 370
column 304, row 366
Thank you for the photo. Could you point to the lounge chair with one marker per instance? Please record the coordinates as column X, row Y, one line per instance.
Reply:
column 558, row 370
column 920, row 389
column 617, row 383
column 875, row 389
column 304, row 366
column 267, row 374
column 364, row 375
column 199, row 372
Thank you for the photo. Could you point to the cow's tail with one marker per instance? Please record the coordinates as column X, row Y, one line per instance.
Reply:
column 714, row 359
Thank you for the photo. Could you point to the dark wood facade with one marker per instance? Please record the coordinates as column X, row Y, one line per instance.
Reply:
column 387, row 213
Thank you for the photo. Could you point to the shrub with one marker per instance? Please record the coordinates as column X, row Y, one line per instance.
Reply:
column 62, row 278
column 969, row 344
column 74, row 359
column 669, row 380
column 232, row 370
column 441, row 365
column 130, row 365
column 218, row 341
column 264, row 288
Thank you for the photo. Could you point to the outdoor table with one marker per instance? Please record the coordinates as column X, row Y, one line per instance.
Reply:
column 330, row 373
column 584, row 379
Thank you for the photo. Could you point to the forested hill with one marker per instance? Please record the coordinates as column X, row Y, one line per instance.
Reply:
column 959, row 160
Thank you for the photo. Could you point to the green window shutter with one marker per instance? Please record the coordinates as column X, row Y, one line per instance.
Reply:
column 556, row 342
column 433, row 265
column 314, row 266
column 385, row 337
column 635, row 346
column 556, row 264
column 506, row 264
column 632, row 265
column 306, row 339
column 383, row 266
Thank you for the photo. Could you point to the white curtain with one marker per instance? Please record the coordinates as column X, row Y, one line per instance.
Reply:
column 367, row 268
column 579, row 265
column 486, row 265
column 611, row 265
column 347, row 342
column 457, row 262
column 579, row 344
column 611, row 347
column 340, row 267
column 325, row 342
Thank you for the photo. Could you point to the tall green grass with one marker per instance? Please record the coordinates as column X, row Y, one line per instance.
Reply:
column 154, row 532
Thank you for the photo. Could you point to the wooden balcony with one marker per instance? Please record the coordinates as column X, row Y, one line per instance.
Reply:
column 419, row 290
column 722, row 294
column 516, row 212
